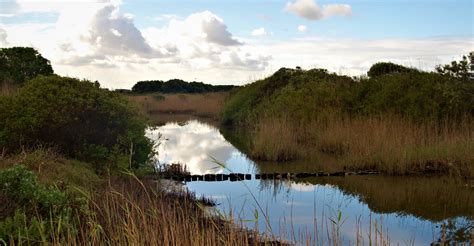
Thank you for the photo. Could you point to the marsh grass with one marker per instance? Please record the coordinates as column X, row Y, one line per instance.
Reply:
column 388, row 144
column 162, row 106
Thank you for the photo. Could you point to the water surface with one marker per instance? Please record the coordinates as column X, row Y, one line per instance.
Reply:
column 407, row 210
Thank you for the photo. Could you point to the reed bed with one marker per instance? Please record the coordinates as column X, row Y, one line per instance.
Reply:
column 206, row 105
column 389, row 144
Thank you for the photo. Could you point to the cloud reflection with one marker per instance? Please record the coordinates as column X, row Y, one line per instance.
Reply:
column 193, row 144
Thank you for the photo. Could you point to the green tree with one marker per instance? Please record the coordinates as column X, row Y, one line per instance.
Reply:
column 458, row 69
column 20, row 64
column 382, row 68
column 77, row 117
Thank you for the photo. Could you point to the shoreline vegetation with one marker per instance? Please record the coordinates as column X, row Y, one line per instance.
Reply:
column 401, row 121
column 74, row 156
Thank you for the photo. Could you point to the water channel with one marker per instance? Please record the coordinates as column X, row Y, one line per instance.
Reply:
column 402, row 210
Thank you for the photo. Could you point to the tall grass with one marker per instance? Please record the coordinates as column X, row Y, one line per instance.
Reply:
column 389, row 144
column 161, row 106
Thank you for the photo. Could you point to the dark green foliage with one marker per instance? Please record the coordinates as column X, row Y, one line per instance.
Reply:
column 458, row 69
column 25, row 203
column 77, row 117
column 414, row 95
column 291, row 93
column 20, row 64
column 177, row 86
column 383, row 68
column 303, row 95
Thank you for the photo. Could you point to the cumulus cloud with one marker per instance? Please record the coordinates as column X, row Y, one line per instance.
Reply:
column 3, row 37
column 259, row 32
column 202, row 41
column 309, row 9
column 302, row 28
column 113, row 33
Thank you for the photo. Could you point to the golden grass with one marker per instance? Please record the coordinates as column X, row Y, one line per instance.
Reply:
column 161, row 107
column 388, row 144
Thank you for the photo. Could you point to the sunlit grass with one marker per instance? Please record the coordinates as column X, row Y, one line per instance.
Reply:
column 389, row 144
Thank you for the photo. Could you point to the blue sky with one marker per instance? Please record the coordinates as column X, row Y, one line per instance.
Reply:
column 120, row 42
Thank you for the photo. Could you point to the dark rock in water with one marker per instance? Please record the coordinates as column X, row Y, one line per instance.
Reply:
column 257, row 176
column 225, row 177
column 248, row 176
column 200, row 178
column 241, row 176
column 219, row 177
column 233, row 177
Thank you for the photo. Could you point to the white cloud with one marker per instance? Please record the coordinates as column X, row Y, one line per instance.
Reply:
column 259, row 32
column 3, row 37
column 115, row 34
column 355, row 56
column 302, row 28
column 308, row 9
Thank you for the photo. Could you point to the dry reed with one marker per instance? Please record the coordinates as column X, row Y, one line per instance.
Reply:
column 389, row 144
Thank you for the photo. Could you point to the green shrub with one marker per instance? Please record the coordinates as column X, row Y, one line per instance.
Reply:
column 76, row 117
column 30, row 210
column 383, row 68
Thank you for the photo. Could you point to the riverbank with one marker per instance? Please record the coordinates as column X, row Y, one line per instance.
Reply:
column 399, row 123
column 95, row 209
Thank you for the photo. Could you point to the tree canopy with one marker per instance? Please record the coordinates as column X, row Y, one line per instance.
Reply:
column 177, row 86
column 459, row 69
column 20, row 64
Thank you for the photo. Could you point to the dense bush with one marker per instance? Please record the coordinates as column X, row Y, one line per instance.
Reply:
column 292, row 93
column 417, row 96
column 383, row 68
column 299, row 95
column 29, row 209
column 78, row 118
column 177, row 86
column 20, row 64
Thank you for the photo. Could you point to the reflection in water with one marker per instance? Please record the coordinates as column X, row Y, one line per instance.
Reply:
column 412, row 210
column 193, row 144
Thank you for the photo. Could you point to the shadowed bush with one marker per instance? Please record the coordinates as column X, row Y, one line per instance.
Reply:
column 78, row 118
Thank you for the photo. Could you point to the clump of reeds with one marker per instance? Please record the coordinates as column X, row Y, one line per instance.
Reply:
column 389, row 144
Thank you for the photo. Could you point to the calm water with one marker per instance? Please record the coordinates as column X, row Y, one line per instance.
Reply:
column 408, row 210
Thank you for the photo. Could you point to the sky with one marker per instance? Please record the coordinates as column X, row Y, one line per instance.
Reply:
column 120, row 42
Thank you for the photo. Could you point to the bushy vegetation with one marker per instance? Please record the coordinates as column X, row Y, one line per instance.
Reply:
column 177, row 86
column 30, row 210
column 304, row 95
column 20, row 64
column 400, row 122
column 76, row 117
column 384, row 68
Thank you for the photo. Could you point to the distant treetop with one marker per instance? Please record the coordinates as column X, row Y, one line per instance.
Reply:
column 20, row 64
column 382, row 68
column 177, row 86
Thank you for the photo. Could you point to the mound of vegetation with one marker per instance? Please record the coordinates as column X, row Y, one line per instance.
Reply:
column 20, row 64
column 76, row 117
column 399, row 121
column 177, row 86
column 302, row 95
